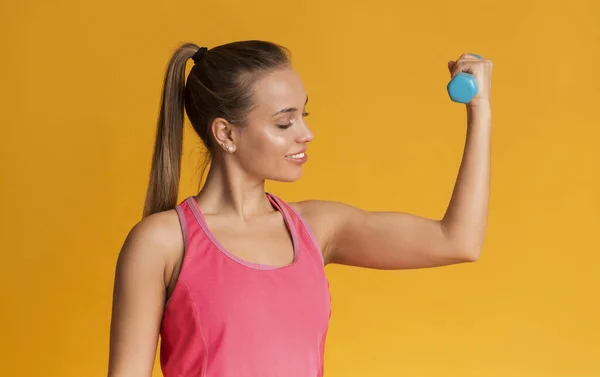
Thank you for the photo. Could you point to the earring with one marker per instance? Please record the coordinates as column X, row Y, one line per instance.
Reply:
column 228, row 147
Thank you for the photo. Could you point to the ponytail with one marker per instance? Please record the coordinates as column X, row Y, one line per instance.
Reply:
column 165, row 172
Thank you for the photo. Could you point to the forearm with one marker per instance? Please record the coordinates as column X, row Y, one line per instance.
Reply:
column 465, row 219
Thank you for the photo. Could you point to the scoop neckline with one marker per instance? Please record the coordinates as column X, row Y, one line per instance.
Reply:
column 199, row 215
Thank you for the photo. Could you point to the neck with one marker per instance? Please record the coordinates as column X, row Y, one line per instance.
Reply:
column 228, row 190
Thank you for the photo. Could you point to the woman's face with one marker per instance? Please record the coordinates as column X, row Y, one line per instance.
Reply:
column 273, row 144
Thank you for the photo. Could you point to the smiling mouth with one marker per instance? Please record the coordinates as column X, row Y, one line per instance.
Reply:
column 296, row 156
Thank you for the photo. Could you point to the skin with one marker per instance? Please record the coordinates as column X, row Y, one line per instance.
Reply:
column 243, row 220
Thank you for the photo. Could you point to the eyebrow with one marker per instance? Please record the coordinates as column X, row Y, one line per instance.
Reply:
column 289, row 109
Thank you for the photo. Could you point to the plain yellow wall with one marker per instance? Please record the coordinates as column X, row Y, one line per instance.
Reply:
column 80, row 91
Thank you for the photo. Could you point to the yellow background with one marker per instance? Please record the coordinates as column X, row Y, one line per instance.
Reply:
column 80, row 91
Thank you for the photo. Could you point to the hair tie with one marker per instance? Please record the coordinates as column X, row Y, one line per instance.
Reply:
column 199, row 54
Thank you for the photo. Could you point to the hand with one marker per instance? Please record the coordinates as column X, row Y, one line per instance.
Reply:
column 481, row 69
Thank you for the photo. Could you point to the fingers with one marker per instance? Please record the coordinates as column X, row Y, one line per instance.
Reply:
column 452, row 65
column 466, row 63
column 462, row 66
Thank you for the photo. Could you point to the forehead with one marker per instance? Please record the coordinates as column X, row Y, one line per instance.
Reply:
column 279, row 89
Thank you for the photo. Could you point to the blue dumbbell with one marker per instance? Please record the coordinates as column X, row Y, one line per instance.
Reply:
column 463, row 87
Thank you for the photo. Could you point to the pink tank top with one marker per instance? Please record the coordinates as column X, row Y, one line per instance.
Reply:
column 228, row 317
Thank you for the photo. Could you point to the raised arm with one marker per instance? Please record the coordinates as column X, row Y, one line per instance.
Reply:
column 139, row 294
column 396, row 240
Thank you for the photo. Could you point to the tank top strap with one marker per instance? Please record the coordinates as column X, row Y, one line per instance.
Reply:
column 189, row 225
column 197, row 243
column 304, row 231
column 183, row 214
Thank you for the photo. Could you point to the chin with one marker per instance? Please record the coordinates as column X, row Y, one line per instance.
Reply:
column 286, row 177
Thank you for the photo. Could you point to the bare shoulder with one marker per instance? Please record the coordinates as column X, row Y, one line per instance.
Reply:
column 324, row 218
column 155, row 242
column 323, row 208
column 157, row 233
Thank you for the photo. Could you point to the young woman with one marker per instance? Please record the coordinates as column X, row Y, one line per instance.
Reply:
column 232, row 279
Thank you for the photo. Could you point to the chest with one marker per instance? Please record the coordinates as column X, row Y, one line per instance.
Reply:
column 267, row 241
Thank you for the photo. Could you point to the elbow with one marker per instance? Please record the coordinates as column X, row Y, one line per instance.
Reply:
column 467, row 250
column 464, row 246
column 472, row 256
column 469, row 254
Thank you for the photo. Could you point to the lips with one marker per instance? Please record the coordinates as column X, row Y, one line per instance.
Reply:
column 299, row 154
column 298, row 157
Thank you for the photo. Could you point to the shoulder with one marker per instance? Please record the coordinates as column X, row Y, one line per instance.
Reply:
column 325, row 218
column 153, row 244
column 324, row 214
column 323, row 208
column 156, row 232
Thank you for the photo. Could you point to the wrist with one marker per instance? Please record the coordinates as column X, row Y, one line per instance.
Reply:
column 479, row 102
column 479, row 114
column 482, row 107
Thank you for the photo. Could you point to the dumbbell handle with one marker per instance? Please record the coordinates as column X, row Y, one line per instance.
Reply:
column 463, row 86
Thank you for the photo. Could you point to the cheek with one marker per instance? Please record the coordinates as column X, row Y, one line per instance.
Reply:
column 265, row 145
column 275, row 142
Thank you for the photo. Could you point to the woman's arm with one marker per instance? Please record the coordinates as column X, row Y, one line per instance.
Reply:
column 139, row 294
column 395, row 240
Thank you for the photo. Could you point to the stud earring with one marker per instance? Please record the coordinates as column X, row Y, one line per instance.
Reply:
column 228, row 147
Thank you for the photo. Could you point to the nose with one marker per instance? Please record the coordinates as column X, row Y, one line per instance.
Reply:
column 305, row 134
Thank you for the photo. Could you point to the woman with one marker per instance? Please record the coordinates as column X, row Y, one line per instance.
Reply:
column 232, row 279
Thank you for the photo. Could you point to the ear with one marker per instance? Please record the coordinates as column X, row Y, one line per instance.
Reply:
column 223, row 132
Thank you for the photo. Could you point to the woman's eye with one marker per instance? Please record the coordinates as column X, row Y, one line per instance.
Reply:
column 291, row 123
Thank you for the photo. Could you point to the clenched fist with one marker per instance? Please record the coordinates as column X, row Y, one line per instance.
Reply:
column 481, row 69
